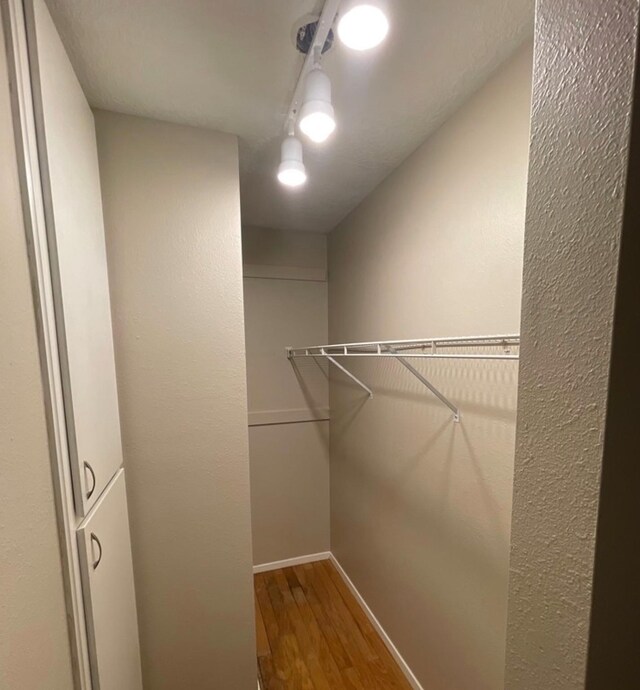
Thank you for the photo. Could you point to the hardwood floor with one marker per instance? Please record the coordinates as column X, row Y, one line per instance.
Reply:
column 313, row 635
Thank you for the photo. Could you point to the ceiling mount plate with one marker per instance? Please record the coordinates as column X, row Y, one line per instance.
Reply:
column 305, row 34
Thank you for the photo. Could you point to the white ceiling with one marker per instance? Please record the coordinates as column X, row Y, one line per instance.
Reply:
column 231, row 65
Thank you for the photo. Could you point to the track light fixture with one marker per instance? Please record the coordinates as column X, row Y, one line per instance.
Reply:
column 317, row 118
column 291, row 171
column 363, row 25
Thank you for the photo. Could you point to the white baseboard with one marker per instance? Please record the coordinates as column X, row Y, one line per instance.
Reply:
column 287, row 563
column 404, row 667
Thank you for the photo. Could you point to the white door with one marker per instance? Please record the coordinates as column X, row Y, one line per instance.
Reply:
column 110, row 603
column 69, row 162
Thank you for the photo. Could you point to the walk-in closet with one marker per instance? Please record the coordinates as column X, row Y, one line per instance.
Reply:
column 316, row 331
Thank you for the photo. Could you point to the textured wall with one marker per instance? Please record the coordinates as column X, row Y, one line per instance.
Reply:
column 34, row 640
column 289, row 461
column 580, row 127
column 420, row 506
column 172, row 218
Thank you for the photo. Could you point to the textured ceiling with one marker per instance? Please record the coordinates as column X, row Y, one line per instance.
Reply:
column 231, row 65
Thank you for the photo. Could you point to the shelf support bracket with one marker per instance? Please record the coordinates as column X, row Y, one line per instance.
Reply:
column 348, row 373
column 428, row 384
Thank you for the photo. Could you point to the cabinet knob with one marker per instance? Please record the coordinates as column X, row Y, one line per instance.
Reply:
column 95, row 540
column 90, row 491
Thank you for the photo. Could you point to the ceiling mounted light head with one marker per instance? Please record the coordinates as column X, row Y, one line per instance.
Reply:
column 363, row 25
column 291, row 171
column 317, row 119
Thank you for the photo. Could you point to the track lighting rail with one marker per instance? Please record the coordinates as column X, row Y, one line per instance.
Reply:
column 325, row 23
column 362, row 26
column 492, row 347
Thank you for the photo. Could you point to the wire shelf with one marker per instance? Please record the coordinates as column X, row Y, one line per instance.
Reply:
column 496, row 347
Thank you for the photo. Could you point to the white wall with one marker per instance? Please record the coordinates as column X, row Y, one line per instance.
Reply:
column 289, row 454
column 172, row 219
column 34, row 639
column 420, row 506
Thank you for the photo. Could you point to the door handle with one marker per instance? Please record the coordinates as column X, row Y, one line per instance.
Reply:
column 95, row 540
column 87, row 466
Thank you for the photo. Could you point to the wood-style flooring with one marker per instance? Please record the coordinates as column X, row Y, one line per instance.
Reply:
column 313, row 635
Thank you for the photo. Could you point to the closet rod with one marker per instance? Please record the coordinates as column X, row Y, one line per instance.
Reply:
column 401, row 350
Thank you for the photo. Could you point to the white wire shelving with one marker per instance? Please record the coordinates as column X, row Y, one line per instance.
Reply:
column 485, row 347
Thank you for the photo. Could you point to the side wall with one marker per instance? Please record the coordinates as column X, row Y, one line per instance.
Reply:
column 285, row 293
column 421, row 506
column 34, row 639
column 576, row 464
column 172, row 217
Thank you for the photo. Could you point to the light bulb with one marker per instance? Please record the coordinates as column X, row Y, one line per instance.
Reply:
column 317, row 119
column 318, row 126
column 290, row 177
column 363, row 27
column 291, row 171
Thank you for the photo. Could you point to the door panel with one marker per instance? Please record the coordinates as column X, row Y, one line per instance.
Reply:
column 110, row 604
column 73, row 203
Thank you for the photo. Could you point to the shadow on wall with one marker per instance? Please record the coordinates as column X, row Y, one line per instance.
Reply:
column 408, row 423
column 298, row 367
column 428, row 499
column 304, row 366
column 483, row 387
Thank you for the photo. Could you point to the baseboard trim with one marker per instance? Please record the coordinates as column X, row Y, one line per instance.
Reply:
column 288, row 562
column 404, row 667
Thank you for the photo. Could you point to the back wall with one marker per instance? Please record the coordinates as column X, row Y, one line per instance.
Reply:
column 285, row 302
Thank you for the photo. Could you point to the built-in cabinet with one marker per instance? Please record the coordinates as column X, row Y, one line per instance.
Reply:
column 73, row 207
column 110, row 600
column 71, row 193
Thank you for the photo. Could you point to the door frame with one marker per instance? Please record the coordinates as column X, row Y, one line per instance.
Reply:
column 15, row 17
